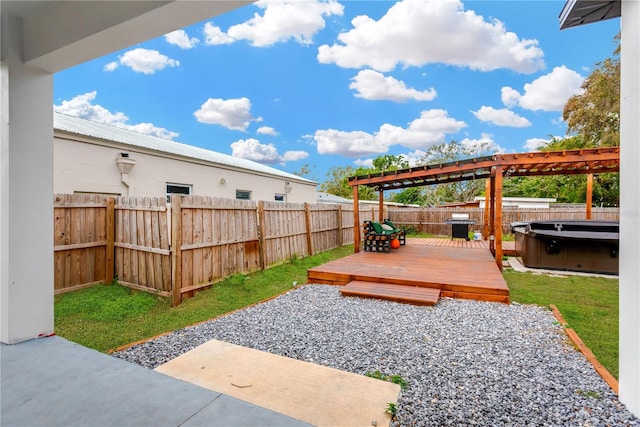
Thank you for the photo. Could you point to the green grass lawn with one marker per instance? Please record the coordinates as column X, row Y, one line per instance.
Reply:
column 106, row 317
column 588, row 304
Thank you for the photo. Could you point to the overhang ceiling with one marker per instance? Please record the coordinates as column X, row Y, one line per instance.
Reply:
column 580, row 12
column 58, row 34
column 568, row 162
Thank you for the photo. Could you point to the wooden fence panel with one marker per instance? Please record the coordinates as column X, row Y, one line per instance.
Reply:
column 433, row 220
column 284, row 232
column 217, row 238
column 142, row 256
column 80, row 241
column 325, row 225
column 347, row 224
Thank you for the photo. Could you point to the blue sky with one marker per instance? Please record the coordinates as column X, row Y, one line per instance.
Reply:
column 338, row 83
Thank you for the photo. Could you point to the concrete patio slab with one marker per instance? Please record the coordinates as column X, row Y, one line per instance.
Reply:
column 54, row 382
column 312, row 393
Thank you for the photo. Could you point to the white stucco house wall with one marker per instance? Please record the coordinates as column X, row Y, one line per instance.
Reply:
column 98, row 158
column 520, row 202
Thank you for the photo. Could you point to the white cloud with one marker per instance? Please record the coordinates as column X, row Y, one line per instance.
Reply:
column 547, row 93
column 482, row 145
column 501, row 117
column 284, row 20
column 290, row 156
column 535, row 144
column 414, row 157
column 367, row 163
column 350, row 144
column 146, row 61
column 233, row 114
column 509, row 96
column 267, row 130
column 372, row 85
column 111, row 66
column 82, row 106
column 252, row 149
column 429, row 129
column 181, row 39
column 215, row 36
column 418, row 32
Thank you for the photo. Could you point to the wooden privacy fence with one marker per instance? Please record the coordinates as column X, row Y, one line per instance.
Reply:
column 176, row 249
column 433, row 220
column 82, row 241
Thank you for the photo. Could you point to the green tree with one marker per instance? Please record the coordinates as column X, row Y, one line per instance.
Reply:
column 462, row 191
column 593, row 120
column 409, row 196
column 337, row 183
column 307, row 171
column 390, row 162
column 594, row 114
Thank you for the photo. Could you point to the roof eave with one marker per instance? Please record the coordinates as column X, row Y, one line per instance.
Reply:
column 580, row 12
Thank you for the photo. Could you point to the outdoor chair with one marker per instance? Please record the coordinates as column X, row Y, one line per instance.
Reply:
column 376, row 238
column 401, row 233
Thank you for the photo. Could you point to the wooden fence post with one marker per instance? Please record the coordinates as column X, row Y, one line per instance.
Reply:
column 176, row 255
column 307, row 215
column 340, row 233
column 110, row 225
column 261, row 237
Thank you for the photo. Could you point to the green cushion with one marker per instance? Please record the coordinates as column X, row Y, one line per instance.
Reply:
column 377, row 227
column 390, row 224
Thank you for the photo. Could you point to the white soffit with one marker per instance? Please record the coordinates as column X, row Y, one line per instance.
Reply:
column 580, row 12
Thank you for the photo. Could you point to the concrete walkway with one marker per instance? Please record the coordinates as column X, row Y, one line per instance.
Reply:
column 54, row 382
column 317, row 394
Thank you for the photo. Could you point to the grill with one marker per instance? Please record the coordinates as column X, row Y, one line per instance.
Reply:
column 460, row 226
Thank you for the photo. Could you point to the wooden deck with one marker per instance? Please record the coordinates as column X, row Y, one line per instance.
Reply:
column 459, row 269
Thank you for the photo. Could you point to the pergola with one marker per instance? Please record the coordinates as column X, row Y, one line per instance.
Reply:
column 493, row 169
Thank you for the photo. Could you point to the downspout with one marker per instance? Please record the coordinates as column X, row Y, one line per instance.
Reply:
column 125, row 164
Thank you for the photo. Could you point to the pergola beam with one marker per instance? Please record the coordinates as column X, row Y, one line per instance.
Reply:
column 496, row 167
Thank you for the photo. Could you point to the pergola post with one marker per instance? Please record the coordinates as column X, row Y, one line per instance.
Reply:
column 356, row 220
column 589, row 201
column 498, row 220
column 492, row 211
column 380, row 205
column 487, row 202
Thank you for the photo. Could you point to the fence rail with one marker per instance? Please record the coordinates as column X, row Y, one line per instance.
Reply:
column 433, row 220
column 176, row 249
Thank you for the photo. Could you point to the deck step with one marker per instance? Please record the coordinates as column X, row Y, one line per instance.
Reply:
column 416, row 295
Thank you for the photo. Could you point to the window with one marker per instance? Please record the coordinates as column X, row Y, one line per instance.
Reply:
column 279, row 197
column 177, row 189
column 243, row 195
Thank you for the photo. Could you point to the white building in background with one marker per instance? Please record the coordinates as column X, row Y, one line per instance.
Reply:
column 520, row 202
column 92, row 157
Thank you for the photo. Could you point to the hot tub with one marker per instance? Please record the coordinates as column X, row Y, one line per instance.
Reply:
column 571, row 245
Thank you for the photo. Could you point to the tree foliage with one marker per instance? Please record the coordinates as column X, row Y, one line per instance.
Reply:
column 594, row 114
column 307, row 171
column 462, row 191
column 593, row 120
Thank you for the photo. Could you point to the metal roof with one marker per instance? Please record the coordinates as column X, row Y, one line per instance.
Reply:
column 567, row 162
column 134, row 139
column 579, row 12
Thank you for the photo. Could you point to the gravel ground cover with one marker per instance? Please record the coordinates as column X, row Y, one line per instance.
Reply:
column 466, row 362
